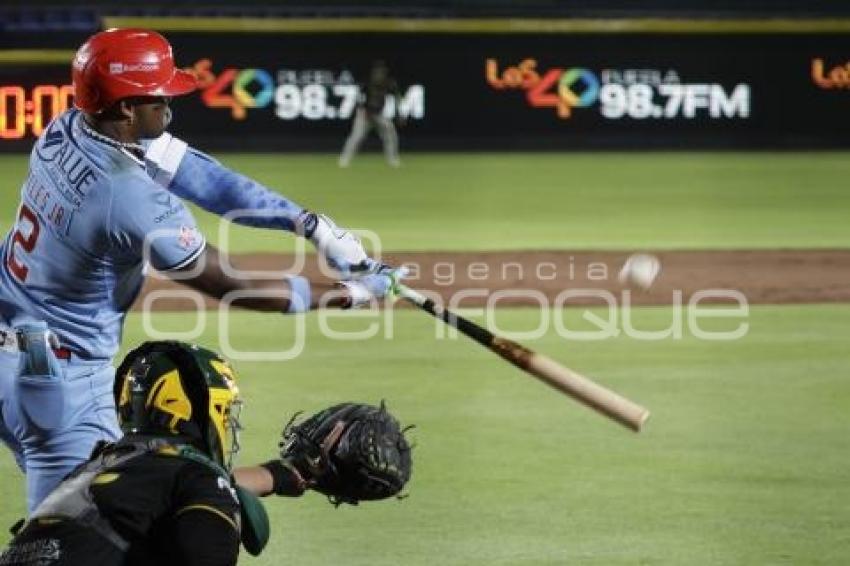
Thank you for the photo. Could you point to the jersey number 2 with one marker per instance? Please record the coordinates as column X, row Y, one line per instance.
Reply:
column 26, row 243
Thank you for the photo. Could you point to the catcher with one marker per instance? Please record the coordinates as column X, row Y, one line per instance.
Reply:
column 166, row 493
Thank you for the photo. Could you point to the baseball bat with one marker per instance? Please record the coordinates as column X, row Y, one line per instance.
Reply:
column 547, row 370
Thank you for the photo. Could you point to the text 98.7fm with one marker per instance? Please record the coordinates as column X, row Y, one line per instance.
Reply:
column 295, row 94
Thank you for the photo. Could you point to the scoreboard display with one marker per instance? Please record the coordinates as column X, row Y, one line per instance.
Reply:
column 489, row 91
column 28, row 104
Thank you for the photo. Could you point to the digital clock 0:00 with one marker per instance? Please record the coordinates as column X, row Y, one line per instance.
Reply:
column 19, row 112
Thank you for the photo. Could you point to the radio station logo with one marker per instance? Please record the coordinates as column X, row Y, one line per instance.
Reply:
column 310, row 94
column 639, row 94
column 837, row 77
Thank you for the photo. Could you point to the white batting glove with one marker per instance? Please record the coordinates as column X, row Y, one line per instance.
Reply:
column 342, row 250
column 375, row 286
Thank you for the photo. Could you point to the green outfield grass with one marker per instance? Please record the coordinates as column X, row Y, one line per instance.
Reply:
column 554, row 201
column 745, row 460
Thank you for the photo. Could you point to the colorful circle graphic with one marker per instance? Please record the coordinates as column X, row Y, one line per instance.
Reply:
column 582, row 80
column 246, row 78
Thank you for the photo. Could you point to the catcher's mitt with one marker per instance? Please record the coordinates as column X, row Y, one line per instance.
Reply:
column 350, row 452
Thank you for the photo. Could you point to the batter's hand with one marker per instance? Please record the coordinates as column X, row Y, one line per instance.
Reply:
column 382, row 283
column 341, row 249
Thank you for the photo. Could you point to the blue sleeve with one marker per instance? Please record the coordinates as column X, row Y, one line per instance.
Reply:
column 149, row 223
column 199, row 178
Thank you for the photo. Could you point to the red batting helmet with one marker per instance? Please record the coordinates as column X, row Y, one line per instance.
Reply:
column 119, row 63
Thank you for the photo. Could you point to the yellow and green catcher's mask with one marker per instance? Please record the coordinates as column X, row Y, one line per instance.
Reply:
column 168, row 388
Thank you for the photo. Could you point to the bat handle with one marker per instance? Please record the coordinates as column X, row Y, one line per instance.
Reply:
column 408, row 294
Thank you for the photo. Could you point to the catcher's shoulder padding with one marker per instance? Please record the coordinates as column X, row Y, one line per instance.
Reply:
column 350, row 452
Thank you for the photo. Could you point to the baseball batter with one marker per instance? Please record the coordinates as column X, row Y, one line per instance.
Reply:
column 370, row 114
column 101, row 201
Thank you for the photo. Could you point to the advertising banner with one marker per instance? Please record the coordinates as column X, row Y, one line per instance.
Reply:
column 491, row 91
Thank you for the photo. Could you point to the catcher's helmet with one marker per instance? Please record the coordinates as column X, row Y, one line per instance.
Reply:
column 120, row 63
column 174, row 389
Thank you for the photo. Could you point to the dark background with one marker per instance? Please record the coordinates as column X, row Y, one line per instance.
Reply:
column 41, row 9
column 463, row 112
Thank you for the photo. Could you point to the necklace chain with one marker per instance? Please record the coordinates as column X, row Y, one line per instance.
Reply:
column 127, row 146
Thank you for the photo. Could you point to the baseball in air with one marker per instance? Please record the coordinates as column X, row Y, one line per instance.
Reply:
column 640, row 270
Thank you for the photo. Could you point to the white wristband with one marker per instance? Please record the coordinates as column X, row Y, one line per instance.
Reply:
column 301, row 295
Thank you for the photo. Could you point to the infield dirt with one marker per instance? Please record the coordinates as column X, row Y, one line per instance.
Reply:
column 762, row 276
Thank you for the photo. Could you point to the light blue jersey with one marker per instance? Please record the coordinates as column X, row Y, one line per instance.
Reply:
column 93, row 214
column 89, row 220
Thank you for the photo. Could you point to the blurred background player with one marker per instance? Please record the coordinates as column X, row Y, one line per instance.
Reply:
column 369, row 114
column 166, row 494
column 99, row 205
